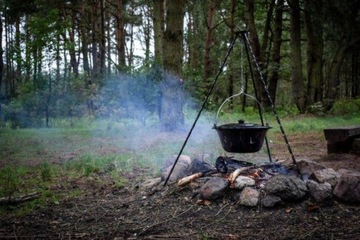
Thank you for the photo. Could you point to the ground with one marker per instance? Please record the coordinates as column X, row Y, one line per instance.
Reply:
column 105, row 211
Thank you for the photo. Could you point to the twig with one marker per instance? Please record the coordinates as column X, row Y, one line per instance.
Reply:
column 165, row 221
column 221, row 209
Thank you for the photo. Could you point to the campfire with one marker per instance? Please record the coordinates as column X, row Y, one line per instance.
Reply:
column 267, row 184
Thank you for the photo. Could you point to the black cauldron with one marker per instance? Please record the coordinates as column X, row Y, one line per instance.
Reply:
column 241, row 137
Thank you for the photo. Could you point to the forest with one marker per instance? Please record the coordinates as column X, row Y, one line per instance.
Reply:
column 142, row 59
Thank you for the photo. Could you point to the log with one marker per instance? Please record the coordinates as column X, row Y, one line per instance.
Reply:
column 20, row 199
column 186, row 180
column 232, row 177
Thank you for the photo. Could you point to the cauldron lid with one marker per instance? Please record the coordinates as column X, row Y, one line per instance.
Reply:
column 241, row 125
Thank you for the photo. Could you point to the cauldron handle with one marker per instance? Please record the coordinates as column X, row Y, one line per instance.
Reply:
column 236, row 95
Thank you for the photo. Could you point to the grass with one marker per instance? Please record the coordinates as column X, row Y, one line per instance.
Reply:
column 39, row 159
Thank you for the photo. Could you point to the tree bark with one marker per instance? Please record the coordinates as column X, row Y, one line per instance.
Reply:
column 333, row 76
column 1, row 64
column 276, row 56
column 230, row 89
column 314, row 32
column 72, row 53
column 171, row 115
column 209, row 41
column 260, row 93
column 120, row 34
column 84, row 34
column 158, row 19
column 296, row 59
column 102, row 40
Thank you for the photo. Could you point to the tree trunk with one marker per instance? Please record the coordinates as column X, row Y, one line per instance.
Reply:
column 72, row 53
column 314, row 32
column 120, row 35
column 158, row 19
column 355, row 79
column 94, row 40
column 333, row 76
column 260, row 93
column 267, row 29
column 147, row 34
column 84, row 36
column 171, row 116
column 232, row 60
column 275, row 57
column 108, row 40
column 209, row 41
column 1, row 64
column 18, row 51
column 27, row 62
column 296, row 64
column 102, row 40
column 194, row 46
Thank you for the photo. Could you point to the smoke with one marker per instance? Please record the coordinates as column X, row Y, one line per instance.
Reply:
column 130, row 104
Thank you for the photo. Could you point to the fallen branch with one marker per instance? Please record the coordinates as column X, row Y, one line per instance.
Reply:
column 232, row 177
column 20, row 199
column 186, row 180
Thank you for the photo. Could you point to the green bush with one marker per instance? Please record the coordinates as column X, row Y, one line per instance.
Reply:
column 346, row 107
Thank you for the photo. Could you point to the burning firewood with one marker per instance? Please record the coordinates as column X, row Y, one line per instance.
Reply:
column 186, row 180
column 232, row 177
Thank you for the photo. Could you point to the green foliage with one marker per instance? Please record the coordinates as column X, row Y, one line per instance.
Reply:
column 346, row 107
column 10, row 180
column 45, row 171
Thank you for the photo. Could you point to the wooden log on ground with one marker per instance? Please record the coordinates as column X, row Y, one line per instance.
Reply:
column 186, row 180
column 20, row 199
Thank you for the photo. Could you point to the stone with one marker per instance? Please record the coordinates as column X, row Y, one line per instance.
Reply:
column 242, row 181
column 185, row 159
column 348, row 187
column 286, row 187
column 249, row 197
column 271, row 201
column 319, row 191
column 198, row 165
column 307, row 167
column 214, row 188
column 327, row 175
column 180, row 169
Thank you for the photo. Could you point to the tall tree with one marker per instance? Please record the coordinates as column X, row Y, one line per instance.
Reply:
column 71, row 41
column 1, row 63
column 276, row 49
column 297, row 80
column 84, row 36
column 210, row 25
column 120, row 34
column 231, row 61
column 171, row 115
column 314, row 32
column 258, row 55
column 159, row 24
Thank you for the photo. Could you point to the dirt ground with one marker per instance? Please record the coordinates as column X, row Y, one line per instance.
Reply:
column 107, row 212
